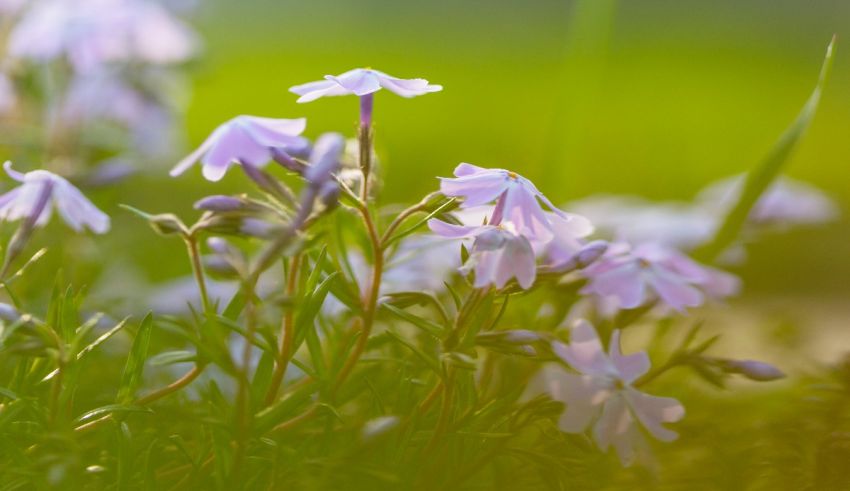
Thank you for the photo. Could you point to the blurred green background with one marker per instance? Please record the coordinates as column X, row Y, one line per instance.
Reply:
column 656, row 98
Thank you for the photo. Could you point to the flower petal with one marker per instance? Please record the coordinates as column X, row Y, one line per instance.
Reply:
column 631, row 366
column 651, row 411
column 584, row 353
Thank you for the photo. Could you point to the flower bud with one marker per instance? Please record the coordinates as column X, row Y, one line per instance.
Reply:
column 329, row 195
column 325, row 158
column 256, row 227
column 219, row 246
column 753, row 369
column 220, row 266
column 590, row 253
column 219, row 203
column 8, row 313
column 382, row 425
column 460, row 360
column 516, row 336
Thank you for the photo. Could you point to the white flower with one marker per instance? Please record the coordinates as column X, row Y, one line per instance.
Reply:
column 248, row 140
column 24, row 201
column 601, row 395
column 785, row 202
column 360, row 82
column 90, row 33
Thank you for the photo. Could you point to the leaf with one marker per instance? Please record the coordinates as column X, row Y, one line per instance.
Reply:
column 110, row 409
column 432, row 362
column 445, row 206
column 308, row 313
column 760, row 178
column 426, row 325
column 91, row 346
column 132, row 377
column 172, row 357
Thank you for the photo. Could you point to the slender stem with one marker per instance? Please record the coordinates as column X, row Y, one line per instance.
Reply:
column 370, row 302
column 178, row 384
column 673, row 362
column 398, row 221
column 364, row 136
column 150, row 398
column 243, row 399
column 291, row 423
column 287, row 332
column 445, row 412
column 198, row 271
column 431, row 397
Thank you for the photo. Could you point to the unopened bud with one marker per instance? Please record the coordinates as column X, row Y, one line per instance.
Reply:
column 8, row 313
column 220, row 266
column 460, row 360
column 516, row 336
column 379, row 426
column 325, row 158
column 219, row 203
column 329, row 195
column 752, row 369
column 590, row 253
column 256, row 227
column 219, row 245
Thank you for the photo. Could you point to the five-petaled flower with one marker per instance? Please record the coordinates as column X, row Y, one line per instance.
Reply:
column 246, row 140
column 516, row 198
column 649, row 271
column 498, row 253
column 362, row 82
column 602, row 394
column 28, row 200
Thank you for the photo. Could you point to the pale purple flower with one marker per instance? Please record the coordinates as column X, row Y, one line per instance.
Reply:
column 101, row 94
column 11, row 7
column 246, row 140
column 23, row 201
column 362, row 82
column 650, row 271
column 635, row 220
column 516, row 198
column 602, row 396
column 568, row 230
column 785, row 202
column 498, row 253
column 90, row 33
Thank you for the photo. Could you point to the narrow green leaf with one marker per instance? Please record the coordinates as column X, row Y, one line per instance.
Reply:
column 432, row 362
column 132, row 377
column 760, row 178
column 110, row 409
column 426, row 325
column 172, row 357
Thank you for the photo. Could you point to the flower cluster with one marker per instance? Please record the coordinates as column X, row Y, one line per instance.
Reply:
column 518, row 227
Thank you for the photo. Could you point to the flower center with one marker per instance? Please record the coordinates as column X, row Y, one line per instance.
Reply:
column 513, row 175
column 644, row 264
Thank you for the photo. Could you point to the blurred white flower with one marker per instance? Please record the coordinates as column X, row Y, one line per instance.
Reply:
column 26, row 201
column 635, row 220
column 787, row 202
column 89, row 33
column 601, row 395
column 11, row 7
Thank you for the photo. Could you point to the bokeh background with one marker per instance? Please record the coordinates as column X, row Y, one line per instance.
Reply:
column 653, row 98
